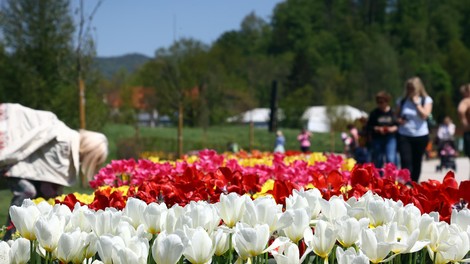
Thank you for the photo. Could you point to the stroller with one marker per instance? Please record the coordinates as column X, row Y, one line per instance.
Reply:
column 447, row 154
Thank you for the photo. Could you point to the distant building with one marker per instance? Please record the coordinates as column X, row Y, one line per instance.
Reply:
column 317, row 118
column 259, row 117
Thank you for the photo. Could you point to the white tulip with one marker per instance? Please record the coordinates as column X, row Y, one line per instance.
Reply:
column 24, row 218
column 104, row 222
column 322, row 242
column 20, row 251
column 202, row 214
column 438, row 235
column 172, row 216
column 309, row 199
column 407, row 242
column 231, row 208
column 408, row 216
column 426, row 223
column 301, row 221
column 349, row 228
column 350, row 256
column 265, row 210
column 200, row 248
column 250, row 241
column 461, row 218
column 333, row 209
column 154, row 217
column 136, row 251
column 44, row 207
column 221, row 240
column 126, row 231
column 373, row 248
column 91, row 245
column 4, row 252
column 167, row 249
column 134, row 211
column 287, row 253
column 379, row 212
column 48, row 231
column 78, row 219
column 61, row 210
column 71, row 247
column 108, row 246
column 454, row 245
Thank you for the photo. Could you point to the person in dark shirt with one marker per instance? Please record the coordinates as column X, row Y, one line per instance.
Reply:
column 382, row 126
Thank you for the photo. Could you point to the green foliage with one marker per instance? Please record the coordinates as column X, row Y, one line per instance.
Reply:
column 319, row 52
column 39, row 34
column 42, row 70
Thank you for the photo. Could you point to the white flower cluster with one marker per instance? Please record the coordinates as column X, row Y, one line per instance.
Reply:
column 368, row 229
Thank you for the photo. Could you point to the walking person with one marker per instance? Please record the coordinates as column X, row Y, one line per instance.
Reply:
column 39, row 154
column 382, row 127
column 304, row 140
column 280, row 142
column 463, row 110
column 413, row 110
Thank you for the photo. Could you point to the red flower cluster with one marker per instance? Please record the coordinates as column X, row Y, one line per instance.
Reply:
column 207, row 179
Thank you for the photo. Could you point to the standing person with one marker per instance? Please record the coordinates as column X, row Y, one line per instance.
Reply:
column 304, row 140
column 280, row 142
column 413, row 110
column 382, row 127
column 464, row 115
column 39, row 154
column 357, row 150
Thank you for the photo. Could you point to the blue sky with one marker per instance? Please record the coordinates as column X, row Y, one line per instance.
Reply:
column 143, row 26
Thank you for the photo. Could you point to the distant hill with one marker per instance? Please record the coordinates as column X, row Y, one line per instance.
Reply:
column 108, row 66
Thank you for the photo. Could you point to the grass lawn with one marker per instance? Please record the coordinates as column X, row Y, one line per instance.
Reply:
column 124, row 138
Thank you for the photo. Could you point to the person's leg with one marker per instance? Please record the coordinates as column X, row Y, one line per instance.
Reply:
column 466, row 144
column 404, row 148
column 375, row 152
column 391, row 149
column 22, row 189
column 49, row 190
column 418, row 149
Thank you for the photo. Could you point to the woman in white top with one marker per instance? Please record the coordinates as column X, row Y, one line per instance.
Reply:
column 413, row 110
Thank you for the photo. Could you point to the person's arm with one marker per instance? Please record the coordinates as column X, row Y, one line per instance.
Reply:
column 423, row 110
column 462, row 111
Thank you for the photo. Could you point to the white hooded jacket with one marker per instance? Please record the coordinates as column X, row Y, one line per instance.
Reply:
column 37, row 146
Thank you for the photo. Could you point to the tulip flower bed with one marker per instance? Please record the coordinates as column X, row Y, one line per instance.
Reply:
column 309, row 229
column 249, row 207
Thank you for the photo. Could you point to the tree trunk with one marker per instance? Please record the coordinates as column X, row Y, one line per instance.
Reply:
column 179, row 153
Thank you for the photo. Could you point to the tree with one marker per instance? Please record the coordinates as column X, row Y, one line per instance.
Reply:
column 42, row 72
column 39, row 36
column 178, row 74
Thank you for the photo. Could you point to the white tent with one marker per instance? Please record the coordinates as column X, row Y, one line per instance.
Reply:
column 318, row 120
column 259, row 116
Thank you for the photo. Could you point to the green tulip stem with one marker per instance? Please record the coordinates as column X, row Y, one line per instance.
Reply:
column 230, row 249
column 150, row 259
column 32, row 251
